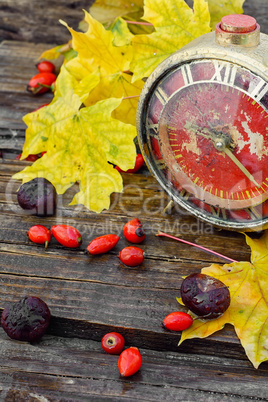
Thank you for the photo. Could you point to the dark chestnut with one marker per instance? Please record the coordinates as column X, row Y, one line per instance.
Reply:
column 38, row 197
column 26, row 320
column 205, row 296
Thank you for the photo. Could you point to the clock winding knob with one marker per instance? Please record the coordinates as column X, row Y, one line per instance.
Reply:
column 238, row 29
column 238, row 23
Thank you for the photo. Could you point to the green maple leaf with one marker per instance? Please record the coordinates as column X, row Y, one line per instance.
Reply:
column 81, row 144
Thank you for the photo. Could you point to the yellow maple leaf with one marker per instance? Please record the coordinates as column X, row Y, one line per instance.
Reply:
column 64, row 50
column 95, row 48
column 175, row 25
column 81, row 144
column 224, row 7
column 105, row 11
column 122, row 35
column 119, row 85
column 248, row 311
column 102, row 49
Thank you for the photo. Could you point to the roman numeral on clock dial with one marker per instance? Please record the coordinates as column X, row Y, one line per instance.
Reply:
column 187, row 74
column 229, row 73
column 259, row 91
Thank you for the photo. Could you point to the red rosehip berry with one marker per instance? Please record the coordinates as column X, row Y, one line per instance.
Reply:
column 40, row 107
column 129, row 361
column 40, row 234
column 102, row 244
column 131, row 256
column 29, row 158
column 45, row 66
column 133, row 231
column 138, row 164
column 41, row 83
column 113, row 343
column 177, row 321
column 67, row 235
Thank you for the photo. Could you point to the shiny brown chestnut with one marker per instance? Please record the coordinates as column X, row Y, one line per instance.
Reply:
column 205, row 296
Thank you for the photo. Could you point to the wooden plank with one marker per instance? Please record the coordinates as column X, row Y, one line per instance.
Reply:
column 15, row 100
column 89, row 296
column 26, row 20
column 33, row 21
column 58, row 367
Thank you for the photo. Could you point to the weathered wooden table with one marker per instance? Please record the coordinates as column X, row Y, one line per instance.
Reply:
column 89, row 296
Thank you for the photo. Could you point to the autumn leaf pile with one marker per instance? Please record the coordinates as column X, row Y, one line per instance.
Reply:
column 90, row 124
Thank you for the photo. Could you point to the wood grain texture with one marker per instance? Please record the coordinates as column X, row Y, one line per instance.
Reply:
column 56, row 368
column 32, row 21
column 38, row 22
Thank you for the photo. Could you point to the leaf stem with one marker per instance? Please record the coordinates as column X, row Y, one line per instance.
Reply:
column 130, row 97
column 195, row 245
column 139, row 23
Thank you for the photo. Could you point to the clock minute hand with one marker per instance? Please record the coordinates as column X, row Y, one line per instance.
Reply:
column 229, row 153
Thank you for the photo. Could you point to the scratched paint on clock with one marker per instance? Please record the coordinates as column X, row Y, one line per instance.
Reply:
column 191, row 108
column 195, row 115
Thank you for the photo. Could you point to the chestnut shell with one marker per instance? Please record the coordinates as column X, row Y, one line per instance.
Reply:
column 26, row 320
column 38, row 197
column 204, row 295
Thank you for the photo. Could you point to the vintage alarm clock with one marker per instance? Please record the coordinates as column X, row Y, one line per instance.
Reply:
column 202, row 124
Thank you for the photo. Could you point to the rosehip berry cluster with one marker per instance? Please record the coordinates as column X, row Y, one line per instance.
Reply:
column 69, row 236
column 129, row 361
column 44, row 80
column 131, row 256
column 66, row 235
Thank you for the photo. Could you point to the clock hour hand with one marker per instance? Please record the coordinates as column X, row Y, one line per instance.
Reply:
column 222, row 144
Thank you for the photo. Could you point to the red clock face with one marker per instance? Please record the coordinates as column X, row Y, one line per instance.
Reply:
column 207, row 130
